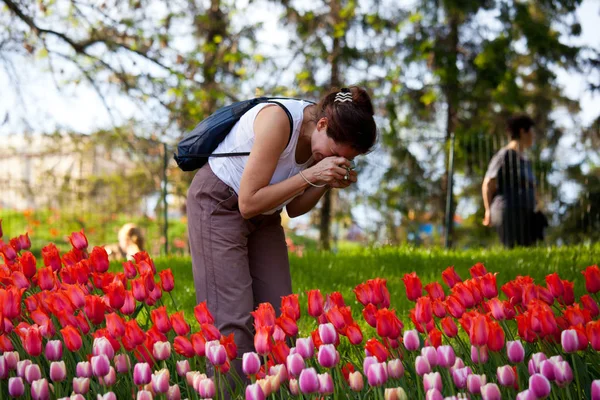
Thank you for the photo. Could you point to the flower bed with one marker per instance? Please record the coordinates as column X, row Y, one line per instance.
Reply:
column 73, row 329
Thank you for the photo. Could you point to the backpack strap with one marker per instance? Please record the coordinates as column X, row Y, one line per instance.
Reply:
column 289, row 115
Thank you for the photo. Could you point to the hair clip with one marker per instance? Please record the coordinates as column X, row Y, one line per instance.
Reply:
column 343, row 96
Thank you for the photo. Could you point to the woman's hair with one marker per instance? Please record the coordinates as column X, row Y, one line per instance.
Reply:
column 349, row 122
column 518, row 122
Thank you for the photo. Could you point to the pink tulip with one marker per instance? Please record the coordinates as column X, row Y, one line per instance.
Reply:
column 526, row 395
column 84, row 369
column 110, row 378
column 183, row 367
column 12, row 359
column 433, row 380
column 102, row 346
column 215, row 352
column 294, row 387
column 475, row 382
column 596, row 389
column 479, row 355
column 295, row 364
column 325, row 383
column 308, row 381
column 430, row 353
column 161, row 350
column 355, row 381
column 395, row 369
column 515, row 351
column 305, row 347
column 422, row 365
column 40, row 389
column 569, row 340
column 174, row 393
column 534, row 363
column 547, row 369
column 539, row 385
column 490, row 391
column 377, row 374
column 122, row 363
column 250, row 363
column 563, row 373
column 327, row 355
column 21, row 366
column 206, row 388
column 446, row 356
column 254, row 392
column 54, row 350
column 367, row 362
column 16, row 387
column 32, row 373
column 506, row 376
column 58, row 371
column 327, row 333
column 459, row 363
column 411, row 340
column 3, row 368
column 279, row 372
column 142, row 374
column 394, row 394
column 100, row 365
column 433, row 394
column 144, row 395
column 107, row 396
column 81, row 385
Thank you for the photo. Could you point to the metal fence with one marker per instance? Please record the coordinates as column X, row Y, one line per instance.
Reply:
column 50, row 203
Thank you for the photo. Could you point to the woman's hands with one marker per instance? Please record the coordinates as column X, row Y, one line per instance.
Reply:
column 332, row 171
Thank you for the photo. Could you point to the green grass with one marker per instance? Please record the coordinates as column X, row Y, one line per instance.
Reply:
column 346, row 269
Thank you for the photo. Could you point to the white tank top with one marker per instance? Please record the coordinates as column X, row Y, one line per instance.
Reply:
column 241, row 139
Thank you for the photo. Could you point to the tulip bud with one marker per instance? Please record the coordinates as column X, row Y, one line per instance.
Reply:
column 563, row 373
column 308, row 381
column 142, row 374
column 490, row 391
column 395, row 394
column 161, row 350
column 596, row 389
column 534, row 363
column 122, row 363
column 183, row 367
column 174, row 393
column 526, row 395
column 422, row 366
column 84, row 369
column 506, row 375
column 305, row 347
column 102, row 346
column 110, row 378
column 144, row 395
column 460, row 375
column 54, row 350
column 569, row 340
column 479, row 355
column 325, row 383
column 327, row 333
column 81, row 385
column 16, row 387
column 411, row 340
column 475, row 382
column 515, row 351
column 21, row 366
column 107, row 396
column 327, row 356
column 32, row 373
column 294, row 387
column 377, row 374
column 295, row 364
column 433, row 380
column 433, row 394
column 206, row 388
column 446, row 356
column 539, row 385
column 100, row 365
column 40, row 389
column 395, row 369
column 58, row 371
column 367, row 362
column 355, row 381
column 430, row 353
column 215, row 352
column 254, row 392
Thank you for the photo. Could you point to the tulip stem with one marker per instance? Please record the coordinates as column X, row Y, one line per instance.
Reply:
column 576, row 368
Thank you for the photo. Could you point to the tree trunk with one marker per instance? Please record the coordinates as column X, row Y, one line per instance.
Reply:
column 326, row 208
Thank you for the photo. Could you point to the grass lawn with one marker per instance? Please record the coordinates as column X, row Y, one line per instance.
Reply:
column 344, row 270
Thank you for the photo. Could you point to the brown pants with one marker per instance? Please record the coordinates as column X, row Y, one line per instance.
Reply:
column 237, row 263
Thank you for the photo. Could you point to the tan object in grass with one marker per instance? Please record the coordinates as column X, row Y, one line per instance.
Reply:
column 130, row 242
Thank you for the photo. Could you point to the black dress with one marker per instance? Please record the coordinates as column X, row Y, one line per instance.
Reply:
column 513, row 206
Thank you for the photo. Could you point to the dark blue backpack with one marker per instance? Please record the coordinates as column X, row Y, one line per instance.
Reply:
column 195, row 148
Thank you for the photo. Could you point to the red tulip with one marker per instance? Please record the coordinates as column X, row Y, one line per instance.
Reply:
column 590, row 305
column 423, row 311
column 94, row 309
column 160, row 319
column 115, row 325
column 354, row 334
column 387, row 323
column 488, row 286
column 24, row 241
column 129, row 269
column 449, row 327
column 462, row 292
column 593, row 334
column 210, row 332
column 290, row 306
column 71, row 337
column 32, row 341
column 116, row 294
column 478, row 270
column 72, row 257
column 592, row 279
column 496, row 336
column 198, row 344
column 287, row 324
column 10, row 300
column 369, row 314
column 375, row 348
column 435, row 291
column 336, row 317
column 479, row 330
column 133, row 333
column 78, row 240
column 434, row 338
column 414, row 287
column 450, row 277
column 454, row 306
column 381, row 295
column 439, row 308
column 568, row 296
column 316, row 303
column 576, row 316
column 51, row 257
column 364, row 294
column 555, row 285
column 183, row 346
column 496, row 307
column 167, row 281
column 180, row 326
column 99, row 259
column 129, row 304
column 28, row 264
column 262, row 340
column 230, row 346
column 203, row 316
column 46, row 278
